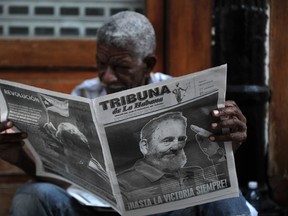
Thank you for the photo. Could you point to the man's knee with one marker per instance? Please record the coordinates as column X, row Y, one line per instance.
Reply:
column 230, row 206
column 40, row 189
column 38, row 199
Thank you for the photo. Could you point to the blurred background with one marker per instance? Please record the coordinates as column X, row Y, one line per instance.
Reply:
column 51, row 44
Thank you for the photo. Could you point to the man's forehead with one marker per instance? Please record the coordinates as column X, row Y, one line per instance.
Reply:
column 116, row 54
column 169, row 123
column 113, row 50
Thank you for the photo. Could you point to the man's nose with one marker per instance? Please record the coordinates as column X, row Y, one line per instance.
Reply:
column 108, row 75
column 175, row 145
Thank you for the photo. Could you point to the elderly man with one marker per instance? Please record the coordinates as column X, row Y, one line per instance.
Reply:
column 125, row 59
column 162, row 169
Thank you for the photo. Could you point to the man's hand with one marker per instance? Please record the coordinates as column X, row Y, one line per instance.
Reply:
column 231, row 118
column 10, row 142
column 209, row 148
column 11, row 148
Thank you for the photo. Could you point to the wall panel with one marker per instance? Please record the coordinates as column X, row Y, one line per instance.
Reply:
column 278, row 148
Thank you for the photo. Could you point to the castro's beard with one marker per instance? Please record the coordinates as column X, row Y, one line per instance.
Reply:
column 168, row 162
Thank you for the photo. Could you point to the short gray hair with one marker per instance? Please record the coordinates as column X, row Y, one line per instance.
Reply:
column 128, row 30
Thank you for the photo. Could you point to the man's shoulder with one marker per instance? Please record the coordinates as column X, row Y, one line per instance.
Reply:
column 141, row 174
column 156, row 77
column 129, row 173
column 89, row 88
column 130, row 179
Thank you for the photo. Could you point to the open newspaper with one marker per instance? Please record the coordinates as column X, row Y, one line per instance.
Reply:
column 140, row 151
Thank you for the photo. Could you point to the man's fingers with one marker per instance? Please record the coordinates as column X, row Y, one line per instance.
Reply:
column 235, row 137
column 6, row 136
column 233, row 124
column 231, row 109
column 231, row 118
column 12, row 137
column 5, row 125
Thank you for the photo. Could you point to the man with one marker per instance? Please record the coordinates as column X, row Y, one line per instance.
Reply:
column 162, row 169
column 125, row 59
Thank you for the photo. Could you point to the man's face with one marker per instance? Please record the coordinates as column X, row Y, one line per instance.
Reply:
column 166, row 147
column 119, row 70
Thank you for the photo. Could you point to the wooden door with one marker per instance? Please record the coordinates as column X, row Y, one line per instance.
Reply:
column 278, row 121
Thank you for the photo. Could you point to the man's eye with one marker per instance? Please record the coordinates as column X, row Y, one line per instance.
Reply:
column 122, row 69
column 182, row 138
column 100, row 63
column 168, row 139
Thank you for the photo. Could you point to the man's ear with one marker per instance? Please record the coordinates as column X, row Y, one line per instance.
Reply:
column 143, row 144
column 150, row 61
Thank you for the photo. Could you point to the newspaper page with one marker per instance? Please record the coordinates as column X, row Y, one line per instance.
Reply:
column 62, row 136
column 159, row 154
column 140, row 151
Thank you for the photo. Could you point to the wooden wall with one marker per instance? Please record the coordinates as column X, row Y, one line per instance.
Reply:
column 188, row 36
column 278, row 120
column 53, row 64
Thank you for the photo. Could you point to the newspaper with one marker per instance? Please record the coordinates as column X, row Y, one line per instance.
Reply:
column 123, row 149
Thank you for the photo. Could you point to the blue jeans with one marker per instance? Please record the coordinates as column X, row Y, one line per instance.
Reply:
column 45, row 199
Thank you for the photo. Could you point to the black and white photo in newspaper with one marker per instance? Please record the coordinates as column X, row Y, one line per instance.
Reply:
column 157, row 137
column 61, row 135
